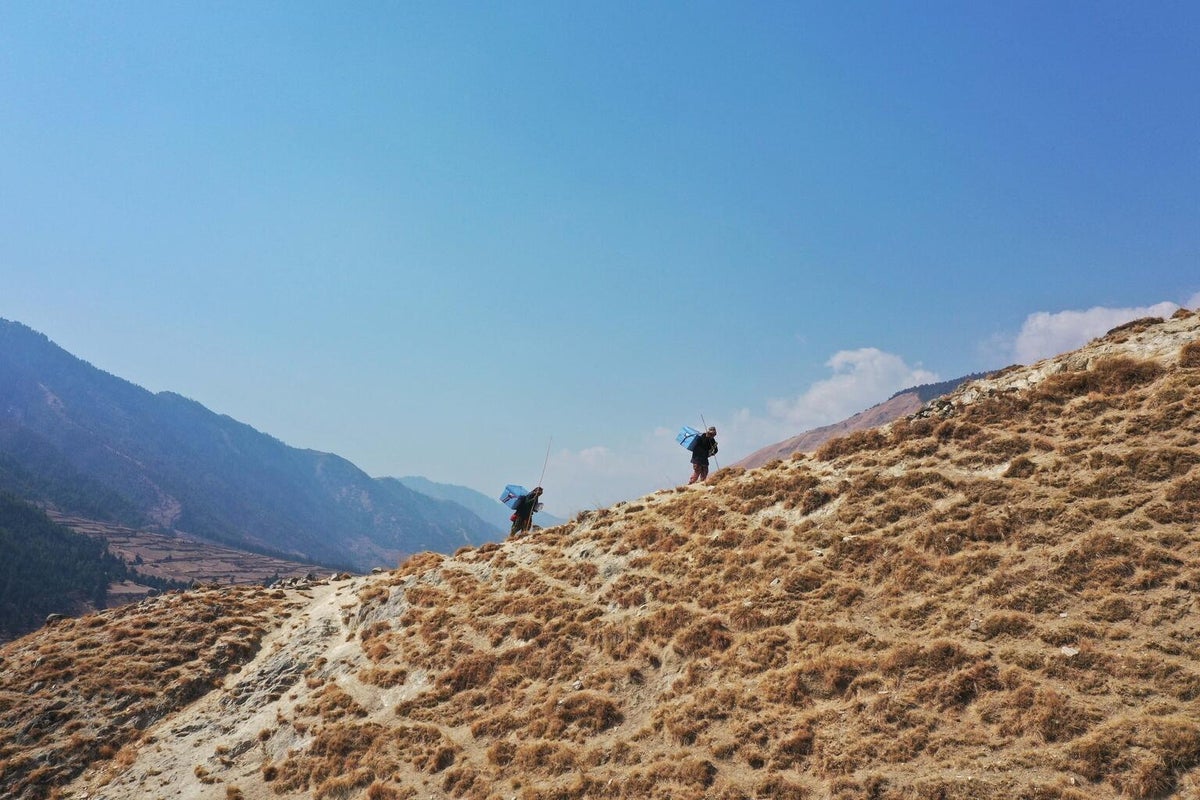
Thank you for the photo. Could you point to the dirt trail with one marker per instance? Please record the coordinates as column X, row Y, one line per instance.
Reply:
column 221, row 740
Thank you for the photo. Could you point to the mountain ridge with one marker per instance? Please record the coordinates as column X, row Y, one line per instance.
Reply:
column 904, row 402
column 165, row 460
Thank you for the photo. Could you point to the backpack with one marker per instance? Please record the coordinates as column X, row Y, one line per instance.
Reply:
column 687, row 437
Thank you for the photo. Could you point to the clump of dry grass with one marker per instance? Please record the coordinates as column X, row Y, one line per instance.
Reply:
column 724, row 474
column 1189, row 355
column 470, row 672
column 706, row 636
column 1110, row 376
column 850, row 444
column 1122, row 331
column 337, row 752
column 331, row 703
column 590, row 712
column 1141, row 756
column 380, row 790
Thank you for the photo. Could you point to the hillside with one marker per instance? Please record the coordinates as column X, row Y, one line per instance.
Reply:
column 185, row 561
column 897, row 406
column 89, row 444
column 901, row 404
column 993, row 598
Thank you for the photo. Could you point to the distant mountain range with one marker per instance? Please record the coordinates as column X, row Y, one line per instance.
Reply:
column 902, row 403
column 88, row 443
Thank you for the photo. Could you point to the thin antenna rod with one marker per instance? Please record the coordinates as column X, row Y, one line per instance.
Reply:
column 704, row 422
column 547, row 461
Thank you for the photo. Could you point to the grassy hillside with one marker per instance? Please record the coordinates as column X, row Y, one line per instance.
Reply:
column 991, row 599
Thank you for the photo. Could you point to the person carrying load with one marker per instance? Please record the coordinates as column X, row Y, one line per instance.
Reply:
column 703, row 447
column 523, row 510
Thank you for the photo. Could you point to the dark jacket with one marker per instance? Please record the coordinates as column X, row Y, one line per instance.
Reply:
column 526, row 505
column 706, row 446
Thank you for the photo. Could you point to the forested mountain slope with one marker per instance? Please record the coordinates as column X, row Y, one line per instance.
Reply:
column 46, row 569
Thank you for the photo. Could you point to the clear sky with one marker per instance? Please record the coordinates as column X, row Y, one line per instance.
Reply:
column 443, row 238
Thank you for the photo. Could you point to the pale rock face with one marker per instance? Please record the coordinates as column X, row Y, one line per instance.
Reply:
column 1161, row 342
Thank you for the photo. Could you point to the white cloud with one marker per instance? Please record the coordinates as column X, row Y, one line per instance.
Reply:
column 1044, row 334
column 861, row 379
column 1193, row 302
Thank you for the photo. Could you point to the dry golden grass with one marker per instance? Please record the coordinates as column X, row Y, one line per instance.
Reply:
column 856, row 442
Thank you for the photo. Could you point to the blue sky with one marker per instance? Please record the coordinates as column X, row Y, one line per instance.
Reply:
column 438, row 239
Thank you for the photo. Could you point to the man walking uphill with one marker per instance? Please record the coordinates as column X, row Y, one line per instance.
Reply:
column 522, row 518
column 704, row 447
